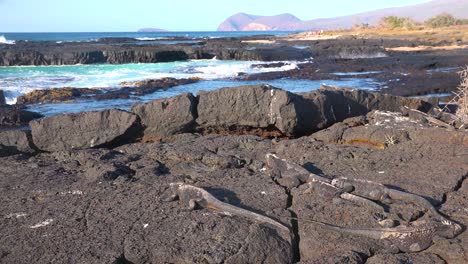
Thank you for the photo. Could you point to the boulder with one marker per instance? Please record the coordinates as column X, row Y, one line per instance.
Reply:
column 257, row 106
column 9, row 115
column 2, row 97
column 167, row 116
column 55, row 95
column 85, row 130
column 15, row 115
column 336, row 104
column 266, row 107
column 15, row 141
column 382, row 129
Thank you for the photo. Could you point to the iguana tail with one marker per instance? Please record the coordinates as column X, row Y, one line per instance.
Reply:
column 370, row 233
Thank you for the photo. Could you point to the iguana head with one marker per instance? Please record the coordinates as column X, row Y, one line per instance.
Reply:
column 449, row 229
column 171, row 193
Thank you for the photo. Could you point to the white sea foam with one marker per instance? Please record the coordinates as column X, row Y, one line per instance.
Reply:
column 3, row 40
column 147, row 39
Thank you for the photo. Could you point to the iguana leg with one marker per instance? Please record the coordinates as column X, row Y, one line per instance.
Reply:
column 384, row 221
column 193, row 204
column 347, row 189
column 386, row 199
column 361, row 201
column 389, row 247
column 169, row 197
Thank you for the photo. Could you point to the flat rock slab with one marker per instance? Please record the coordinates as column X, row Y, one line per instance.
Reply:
column 103, row 206
column 431, row 169
column 66, row 207
column 167, row 116
column 405, row 258
column 84, row 130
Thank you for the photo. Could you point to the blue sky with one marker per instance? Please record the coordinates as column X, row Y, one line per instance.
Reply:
column 175, row 15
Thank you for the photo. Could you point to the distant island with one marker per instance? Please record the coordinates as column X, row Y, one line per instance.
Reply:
column 151, row 30
column 288, row 22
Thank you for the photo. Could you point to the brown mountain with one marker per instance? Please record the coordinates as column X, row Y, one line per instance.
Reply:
column 246, row 22
column 419, row 12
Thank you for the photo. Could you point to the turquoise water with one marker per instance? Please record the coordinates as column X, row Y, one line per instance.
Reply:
column 16, row 81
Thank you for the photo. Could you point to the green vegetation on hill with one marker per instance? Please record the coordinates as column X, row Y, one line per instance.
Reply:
column 445, row 20
column 393, row 22
column 442, row 20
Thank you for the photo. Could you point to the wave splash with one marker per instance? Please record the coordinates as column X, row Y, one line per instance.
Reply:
column 3, row 40
column 147, row 39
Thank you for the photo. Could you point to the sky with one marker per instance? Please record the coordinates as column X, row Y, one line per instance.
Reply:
column 173, row 15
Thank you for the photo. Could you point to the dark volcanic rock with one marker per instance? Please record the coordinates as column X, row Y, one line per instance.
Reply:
column 2, row 97
column 426, row 258
column 55, row 95
column 260, row 106
column 15, row 141
column 268, row 108
column 96, row 220
column 9, row 115
column 129, row 90
column 152, row 85
column 85, row 130
column 15, row 115
column 116, row 40
column 263, row 54
column 51, row 53
column 148, row 86
column 136, row 56
column 336, row 104
column 167, row 116
column 104, row 206
column 380, row 129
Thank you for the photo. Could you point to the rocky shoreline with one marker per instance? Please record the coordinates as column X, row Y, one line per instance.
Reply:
column 90, row 187
column 403, row 72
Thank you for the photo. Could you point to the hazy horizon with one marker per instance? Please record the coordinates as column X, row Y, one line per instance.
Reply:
column 204, row 15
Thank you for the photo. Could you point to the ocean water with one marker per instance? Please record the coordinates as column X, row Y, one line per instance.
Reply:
column 10, row 38
column 16, row 81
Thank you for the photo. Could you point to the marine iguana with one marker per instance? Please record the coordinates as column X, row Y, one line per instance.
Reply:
column 414, row 237
column 193, row 196
column 293, row 175
column 379, row 192
column 334, row 193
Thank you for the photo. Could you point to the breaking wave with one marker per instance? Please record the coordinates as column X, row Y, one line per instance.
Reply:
column 147, row 39
column 3, row 40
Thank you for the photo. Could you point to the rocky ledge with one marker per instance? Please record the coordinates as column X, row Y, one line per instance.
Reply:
column 125, row 91
column 119, row 51
column 98, row 187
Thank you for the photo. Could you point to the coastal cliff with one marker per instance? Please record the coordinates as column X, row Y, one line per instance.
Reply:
column 119, row 51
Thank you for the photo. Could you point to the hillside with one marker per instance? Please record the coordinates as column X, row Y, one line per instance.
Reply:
column 246, row 22
column 419, row 12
